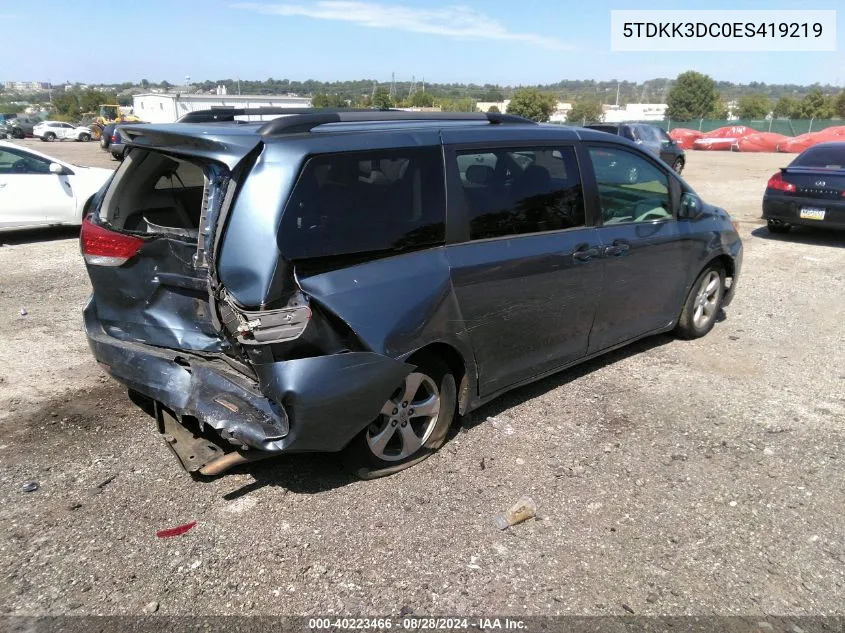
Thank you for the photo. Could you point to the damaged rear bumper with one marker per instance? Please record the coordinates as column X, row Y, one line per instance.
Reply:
column 309, row 404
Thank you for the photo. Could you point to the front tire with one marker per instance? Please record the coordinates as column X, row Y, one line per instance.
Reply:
column 412, row 425
column 776, row 226
column 703, row 303
column 49, row 137
column 678, row 165
column 18, row 133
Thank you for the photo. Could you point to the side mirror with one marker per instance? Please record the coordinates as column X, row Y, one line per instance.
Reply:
column 691, row 206
column 57, row 169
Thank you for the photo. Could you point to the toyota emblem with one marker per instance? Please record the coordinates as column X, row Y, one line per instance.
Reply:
column 820, row 183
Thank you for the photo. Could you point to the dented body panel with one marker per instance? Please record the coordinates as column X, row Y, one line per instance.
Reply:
column 308, row 404
column 212, row 320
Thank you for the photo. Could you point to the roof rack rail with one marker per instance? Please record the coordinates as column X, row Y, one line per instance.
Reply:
column 295, row 120
column 307, row 121
column 228, row 113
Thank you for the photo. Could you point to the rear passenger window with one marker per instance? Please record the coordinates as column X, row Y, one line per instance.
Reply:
column 360, row 202
column 631, row 188
column 514, row 191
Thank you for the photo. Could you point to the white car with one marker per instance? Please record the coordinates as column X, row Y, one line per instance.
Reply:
column 58, row 130
column 37, row 190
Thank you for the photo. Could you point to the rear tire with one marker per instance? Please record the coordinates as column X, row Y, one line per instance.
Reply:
column 678, row 165
column 84, row 138
column 401, row 437
column 776, row 226
column 698, row 316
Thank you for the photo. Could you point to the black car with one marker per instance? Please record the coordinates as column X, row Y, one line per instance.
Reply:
column 651, row 137
column 106, row 136
column 116, row 146
column 21, row 127
column 351, row 280
column 810, row 191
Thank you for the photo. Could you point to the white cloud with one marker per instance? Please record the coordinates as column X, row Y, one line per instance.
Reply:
column 454, row 21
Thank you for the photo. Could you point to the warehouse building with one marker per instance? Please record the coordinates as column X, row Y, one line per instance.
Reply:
column 167, row 107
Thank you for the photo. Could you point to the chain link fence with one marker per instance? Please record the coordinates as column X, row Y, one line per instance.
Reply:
column 787, row 127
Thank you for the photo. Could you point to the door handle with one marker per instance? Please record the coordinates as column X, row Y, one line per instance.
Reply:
column 585, row 254
column 619, row 247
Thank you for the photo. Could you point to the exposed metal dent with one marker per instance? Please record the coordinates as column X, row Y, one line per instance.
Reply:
column 330, row 399
column 229, row 404
column 307, row 404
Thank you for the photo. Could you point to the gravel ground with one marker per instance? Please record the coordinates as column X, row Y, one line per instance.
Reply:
column 671, row 477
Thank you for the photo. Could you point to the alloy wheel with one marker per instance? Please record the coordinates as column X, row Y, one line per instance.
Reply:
column 406, row 420
column 707, row 299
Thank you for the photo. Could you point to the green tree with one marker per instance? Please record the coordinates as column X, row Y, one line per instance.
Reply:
column 456, row 105
column 756, row 106
column 422, row 100
column 786, row 107
column 720, row 110
column 585, row 111
column 839, row 105
column 166, row 85
column 692, row 97
column 815, row 106
column 382, row 99
column 320, row 100
column 492, row 95
column 67, row 105
column 493, row 109
column 145, row 84
column 91, row 100
column 532, row 104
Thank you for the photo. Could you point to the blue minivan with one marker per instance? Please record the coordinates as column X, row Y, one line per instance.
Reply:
column 351, row 281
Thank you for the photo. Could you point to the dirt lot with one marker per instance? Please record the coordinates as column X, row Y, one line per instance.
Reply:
column 672, row 477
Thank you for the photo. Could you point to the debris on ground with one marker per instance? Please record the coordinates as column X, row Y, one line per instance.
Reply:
column 175, row 531
column 522, row 510
column 30, row 486
column 151, row 607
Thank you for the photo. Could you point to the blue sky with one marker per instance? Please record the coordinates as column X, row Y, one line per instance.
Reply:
column 496, row 41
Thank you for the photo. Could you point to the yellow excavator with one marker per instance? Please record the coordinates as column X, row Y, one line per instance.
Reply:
column 109, row 113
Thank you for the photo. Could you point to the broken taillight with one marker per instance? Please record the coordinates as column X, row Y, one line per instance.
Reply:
column 106, row 248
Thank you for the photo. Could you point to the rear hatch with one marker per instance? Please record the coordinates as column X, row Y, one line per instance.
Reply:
column 148, row 245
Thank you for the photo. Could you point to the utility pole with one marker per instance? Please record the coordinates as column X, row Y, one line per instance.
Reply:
column 617, row 94
column 392, row 85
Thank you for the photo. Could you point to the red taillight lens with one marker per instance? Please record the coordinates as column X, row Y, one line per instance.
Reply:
column 777, row 182
column 114, row 138
column 106, row 248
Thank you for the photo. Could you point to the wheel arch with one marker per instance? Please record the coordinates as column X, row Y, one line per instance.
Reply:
column 461, row 369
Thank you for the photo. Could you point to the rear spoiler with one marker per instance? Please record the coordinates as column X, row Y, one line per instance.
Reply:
column 228, row 149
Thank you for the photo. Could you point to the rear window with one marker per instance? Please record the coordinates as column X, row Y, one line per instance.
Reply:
column 822, row 158
column 359, row 202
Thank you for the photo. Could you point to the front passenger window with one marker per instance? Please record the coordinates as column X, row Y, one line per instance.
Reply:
column 631, row 189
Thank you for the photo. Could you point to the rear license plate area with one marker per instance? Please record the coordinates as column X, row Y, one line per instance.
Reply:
column 812, row 213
